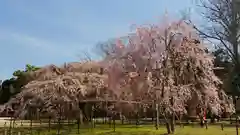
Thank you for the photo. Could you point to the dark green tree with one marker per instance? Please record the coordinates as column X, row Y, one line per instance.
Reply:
column 12, row 86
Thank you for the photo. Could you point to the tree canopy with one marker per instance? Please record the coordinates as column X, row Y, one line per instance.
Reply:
column 54, row 86
column 166, row 64
column 12, row 86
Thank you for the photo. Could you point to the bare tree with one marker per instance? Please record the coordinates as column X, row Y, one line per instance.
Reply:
column 222, row 19
column 104, row 49
column 85, row 56
column 222, row 26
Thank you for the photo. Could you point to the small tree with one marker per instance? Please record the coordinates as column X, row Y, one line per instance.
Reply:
column 166, row 64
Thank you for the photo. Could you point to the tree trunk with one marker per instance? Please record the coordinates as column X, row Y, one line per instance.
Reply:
column 157, row 117
column 92, row 117
column 153, row 112
column 80, row 117
column 122, row 118
column 202, row 122
column 49, row 123
column 172, row 123
column 236, row 125
column 137, row 119
column 168, row 127
column 114, row 122
column 168, row 124
column 192, row 109
column 213, row 119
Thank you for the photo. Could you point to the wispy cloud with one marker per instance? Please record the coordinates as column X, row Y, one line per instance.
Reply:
column 44, row 32
column 40, row 44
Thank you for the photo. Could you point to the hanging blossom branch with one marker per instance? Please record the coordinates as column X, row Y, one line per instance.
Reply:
column 166, row 64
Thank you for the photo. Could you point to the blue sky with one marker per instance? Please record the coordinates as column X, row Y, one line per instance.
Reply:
column 42, row 32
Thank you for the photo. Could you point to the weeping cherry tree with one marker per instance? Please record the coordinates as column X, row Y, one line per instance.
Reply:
column 166, row 64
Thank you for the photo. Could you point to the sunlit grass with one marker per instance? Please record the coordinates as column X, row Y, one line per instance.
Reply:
column 145, row 130
column 106, row 129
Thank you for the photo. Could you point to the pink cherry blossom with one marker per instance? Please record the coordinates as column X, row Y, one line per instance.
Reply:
column 165, row 64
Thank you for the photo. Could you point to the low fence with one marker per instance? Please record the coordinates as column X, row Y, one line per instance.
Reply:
column 65, row 127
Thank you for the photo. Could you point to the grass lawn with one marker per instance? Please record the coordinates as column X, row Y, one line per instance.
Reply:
column 150, row 130
column 141, row 130
column 104, row 129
